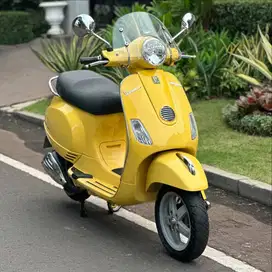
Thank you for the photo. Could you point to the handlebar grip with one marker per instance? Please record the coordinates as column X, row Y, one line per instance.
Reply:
column 88, row 60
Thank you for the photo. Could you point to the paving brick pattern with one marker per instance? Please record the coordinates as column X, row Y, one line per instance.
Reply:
column 22, row 76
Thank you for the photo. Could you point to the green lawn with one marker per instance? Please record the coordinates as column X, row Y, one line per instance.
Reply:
column 219, row 145
column 38, row 107
column 228, row 1
column 224, row 148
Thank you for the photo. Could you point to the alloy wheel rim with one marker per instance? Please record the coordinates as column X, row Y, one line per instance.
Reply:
column 175, row 221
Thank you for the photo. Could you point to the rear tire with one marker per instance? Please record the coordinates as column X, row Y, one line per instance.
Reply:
column 184, row 233
column 74, row 192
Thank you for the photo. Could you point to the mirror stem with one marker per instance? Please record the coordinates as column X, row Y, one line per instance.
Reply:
column 103, row 40
column 178, row 34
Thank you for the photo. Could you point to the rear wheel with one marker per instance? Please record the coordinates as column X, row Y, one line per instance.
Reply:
column 74, row 192
column 182, row 223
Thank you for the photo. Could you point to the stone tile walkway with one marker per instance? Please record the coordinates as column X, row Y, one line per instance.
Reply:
column 22, row 76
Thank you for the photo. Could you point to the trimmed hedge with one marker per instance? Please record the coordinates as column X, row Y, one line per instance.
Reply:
column 19, row 4
column 40, row 26
column 241, row 15
column 253, row 124
column 16, row 27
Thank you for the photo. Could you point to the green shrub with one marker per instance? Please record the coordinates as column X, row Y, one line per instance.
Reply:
column 22, row 5
column 61, row 56
column 213, row 63
column 241, row 16
column 254, row 47
column 202, row 76
column 16, row 27
column 40, row 26
column 253, row 124
column 258, row 58
column 257, row 125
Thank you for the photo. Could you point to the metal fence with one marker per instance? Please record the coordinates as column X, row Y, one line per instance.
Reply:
column 103, row 10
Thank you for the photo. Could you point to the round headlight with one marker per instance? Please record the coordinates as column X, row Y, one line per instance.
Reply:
column 154, row 51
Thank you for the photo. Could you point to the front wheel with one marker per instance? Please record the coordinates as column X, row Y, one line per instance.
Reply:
column 182, row 222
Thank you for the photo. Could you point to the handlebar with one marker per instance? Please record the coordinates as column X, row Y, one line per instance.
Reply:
column 88, row 60
column 93, row 61
column 100, row 60
column 188, row 56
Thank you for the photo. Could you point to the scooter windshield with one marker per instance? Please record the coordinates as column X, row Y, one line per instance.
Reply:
column 139, row 24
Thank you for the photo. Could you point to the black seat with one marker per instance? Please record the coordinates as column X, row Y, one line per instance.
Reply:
column 90, row 92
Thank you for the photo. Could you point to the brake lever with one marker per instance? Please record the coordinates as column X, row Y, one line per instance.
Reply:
column 96, row 63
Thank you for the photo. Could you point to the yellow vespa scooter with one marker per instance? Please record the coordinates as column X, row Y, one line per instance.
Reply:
column 132, row 143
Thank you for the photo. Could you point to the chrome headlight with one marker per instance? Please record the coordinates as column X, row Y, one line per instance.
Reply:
column 154, row 51
column 193, row 126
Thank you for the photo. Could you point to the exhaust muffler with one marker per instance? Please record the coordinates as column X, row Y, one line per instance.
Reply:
column 53, row 168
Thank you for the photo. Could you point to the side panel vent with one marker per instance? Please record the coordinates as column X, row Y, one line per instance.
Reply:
column 71, row 157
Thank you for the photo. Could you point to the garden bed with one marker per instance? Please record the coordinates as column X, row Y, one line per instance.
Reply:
column 219, row 145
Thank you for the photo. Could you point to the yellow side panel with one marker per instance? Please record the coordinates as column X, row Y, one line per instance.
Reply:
column 102, row 129
column 98, row 143
column 168, row 169
column 81, row 132
column 64, row 127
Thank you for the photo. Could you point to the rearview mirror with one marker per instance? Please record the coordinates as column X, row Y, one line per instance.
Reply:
column 187, row 20
column 83, row 25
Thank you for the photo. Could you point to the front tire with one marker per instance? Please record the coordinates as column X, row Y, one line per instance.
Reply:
column 182, row 222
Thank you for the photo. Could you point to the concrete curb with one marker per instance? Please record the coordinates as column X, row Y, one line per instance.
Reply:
column 34, row 118
column 240, row 185
column 19, row 106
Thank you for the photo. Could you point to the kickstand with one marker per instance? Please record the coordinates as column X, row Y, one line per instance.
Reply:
column 83, row 212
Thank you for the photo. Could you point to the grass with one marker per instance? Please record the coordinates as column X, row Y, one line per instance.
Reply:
column 249, row 1
column 38, row 107
column 229, row 150
column 219, row 145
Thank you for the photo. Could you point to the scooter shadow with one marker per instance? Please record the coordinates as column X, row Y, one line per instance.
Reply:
column 140, row 242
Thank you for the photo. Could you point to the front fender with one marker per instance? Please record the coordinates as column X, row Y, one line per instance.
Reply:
column 170, row 169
